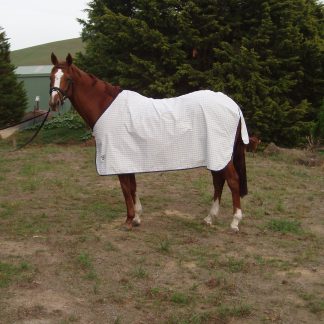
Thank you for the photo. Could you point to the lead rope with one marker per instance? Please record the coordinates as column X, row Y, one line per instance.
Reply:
column 35, row 134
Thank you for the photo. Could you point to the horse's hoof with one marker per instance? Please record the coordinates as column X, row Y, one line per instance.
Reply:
column 235, row 228
column 126, row 227
column 208, row 221
column 136, row 223
column 208, row 224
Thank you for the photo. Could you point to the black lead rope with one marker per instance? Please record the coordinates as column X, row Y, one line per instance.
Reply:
column 35, row 134
column 23, row 121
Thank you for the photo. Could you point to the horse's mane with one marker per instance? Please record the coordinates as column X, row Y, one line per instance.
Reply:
column 111, row 89
column 93, row 77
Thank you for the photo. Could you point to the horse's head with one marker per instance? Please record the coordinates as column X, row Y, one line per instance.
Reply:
column 61, row 81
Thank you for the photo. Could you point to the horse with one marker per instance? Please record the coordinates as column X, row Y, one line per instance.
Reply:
column 96, row 100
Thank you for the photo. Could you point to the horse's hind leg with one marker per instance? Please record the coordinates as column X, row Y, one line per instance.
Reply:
column 125, row 183
column 137, row 203
column 218, row 182
column 232, row 179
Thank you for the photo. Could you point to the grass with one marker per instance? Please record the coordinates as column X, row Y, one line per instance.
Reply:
column 8, row 209
column 314, row 303
column 109, row 246
column 10, row 272
column 53, row 136
column 86, row 264
column 196, row 318
column 40, row 54
column 238, row 311
column 180, row 298
column 104, row 210
column 84, row 261
column 140, row 273
column 285, row 226
column 235, row 265
column 39, row 225
column 164, row 246
column 62, row 244
column 201, row 185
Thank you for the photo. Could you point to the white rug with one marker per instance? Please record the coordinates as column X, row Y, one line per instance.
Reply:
column 139, row 134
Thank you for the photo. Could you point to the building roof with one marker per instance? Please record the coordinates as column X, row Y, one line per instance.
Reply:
column 33, row 70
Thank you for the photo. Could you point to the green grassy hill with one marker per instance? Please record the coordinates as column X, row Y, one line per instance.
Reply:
column 40, row 55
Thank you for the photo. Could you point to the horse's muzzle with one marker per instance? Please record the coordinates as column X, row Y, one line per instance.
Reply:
column 54, row 105
column 55, row 101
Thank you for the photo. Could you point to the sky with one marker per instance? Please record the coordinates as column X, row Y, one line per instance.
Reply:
column 33, row 22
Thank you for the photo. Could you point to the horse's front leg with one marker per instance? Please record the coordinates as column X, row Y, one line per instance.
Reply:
column 136, row 201
column 218, row 182
column 126, row 185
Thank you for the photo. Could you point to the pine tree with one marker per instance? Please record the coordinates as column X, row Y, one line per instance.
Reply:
column 265, row 54
column 274, row 38
column 13, row 99
column 286, row 69
column 318, row 129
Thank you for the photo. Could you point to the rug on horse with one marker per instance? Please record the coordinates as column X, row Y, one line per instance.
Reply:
column 139, row 134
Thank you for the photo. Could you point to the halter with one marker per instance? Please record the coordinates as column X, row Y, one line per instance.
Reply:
column 62, row 93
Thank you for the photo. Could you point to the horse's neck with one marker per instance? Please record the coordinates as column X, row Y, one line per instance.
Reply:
column 91, row 97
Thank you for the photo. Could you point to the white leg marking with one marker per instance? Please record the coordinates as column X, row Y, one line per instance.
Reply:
column 212, row 213
column 236, row 220
column 138, row 211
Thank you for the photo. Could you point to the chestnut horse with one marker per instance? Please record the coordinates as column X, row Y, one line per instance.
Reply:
column 91, row 96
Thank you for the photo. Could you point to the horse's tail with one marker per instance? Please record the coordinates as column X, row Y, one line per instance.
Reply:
column 239, row 161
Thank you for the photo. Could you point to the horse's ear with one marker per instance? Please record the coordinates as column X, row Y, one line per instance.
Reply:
column 54, row 59
column 69, row 59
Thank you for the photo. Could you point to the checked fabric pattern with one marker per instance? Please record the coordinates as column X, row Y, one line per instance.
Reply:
column 138, row 134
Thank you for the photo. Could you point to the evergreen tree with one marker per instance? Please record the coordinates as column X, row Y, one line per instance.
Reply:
column 13, row 99
column 266, row 54
column 318, row 130
column 279, row 103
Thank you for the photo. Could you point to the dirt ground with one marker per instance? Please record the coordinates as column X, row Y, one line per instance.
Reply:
column 65, row 258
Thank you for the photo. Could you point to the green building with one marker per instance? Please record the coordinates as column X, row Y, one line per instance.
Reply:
column 36, row 82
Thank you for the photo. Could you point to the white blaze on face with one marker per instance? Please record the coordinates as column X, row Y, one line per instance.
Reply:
column 57, row 82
